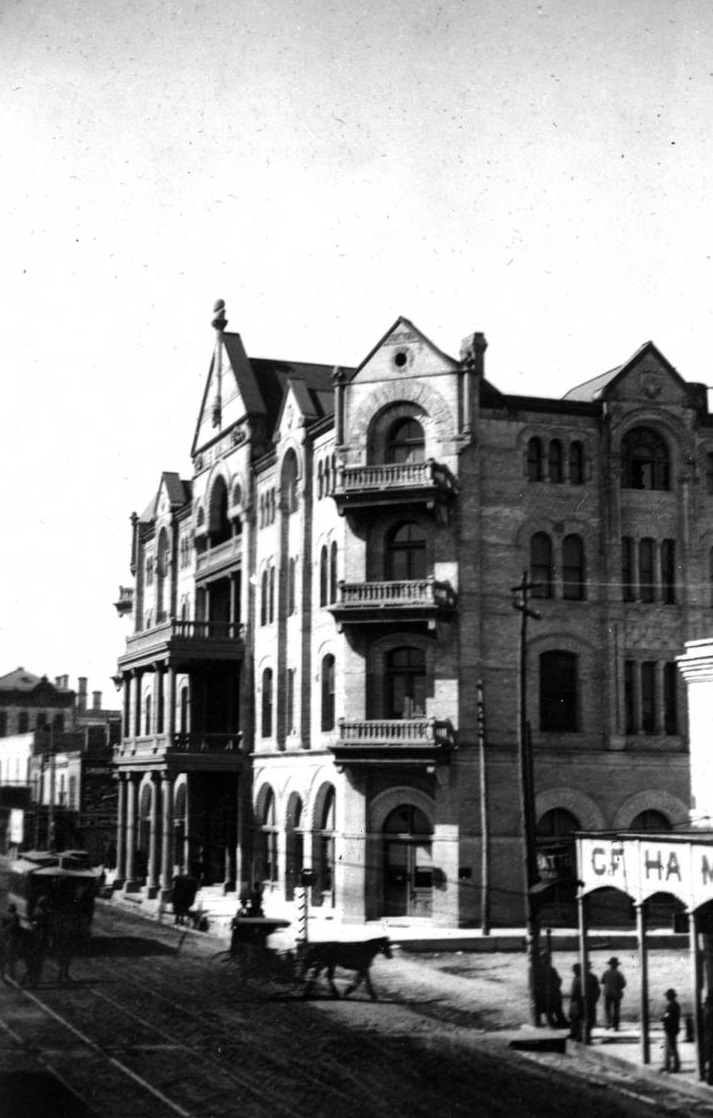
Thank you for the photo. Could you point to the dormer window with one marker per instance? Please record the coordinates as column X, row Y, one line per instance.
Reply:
column 645, row 460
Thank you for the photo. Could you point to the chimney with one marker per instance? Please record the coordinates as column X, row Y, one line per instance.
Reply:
column 96, row 700
column 62, row 682
column 82, row 693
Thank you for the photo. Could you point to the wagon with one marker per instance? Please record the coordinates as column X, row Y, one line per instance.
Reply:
column 249, row 947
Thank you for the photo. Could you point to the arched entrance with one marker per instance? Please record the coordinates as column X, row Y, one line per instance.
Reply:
column 408, row 863
column 294, row 846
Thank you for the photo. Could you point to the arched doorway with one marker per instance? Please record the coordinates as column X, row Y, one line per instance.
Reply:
column 142, row 852
column 408, row 863
column 294, row 846
column 556, row 864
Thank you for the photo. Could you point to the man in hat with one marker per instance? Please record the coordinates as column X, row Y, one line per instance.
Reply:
column 671, row 1021
column 613, row 982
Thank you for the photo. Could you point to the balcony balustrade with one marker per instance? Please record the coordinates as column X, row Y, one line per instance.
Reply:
column 393, row 741
column 162, row 746
column 391, row 483
column 225, row 554
column 180, row 643
column 406, row 600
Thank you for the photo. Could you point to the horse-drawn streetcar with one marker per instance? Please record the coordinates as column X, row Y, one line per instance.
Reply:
column 64, row 880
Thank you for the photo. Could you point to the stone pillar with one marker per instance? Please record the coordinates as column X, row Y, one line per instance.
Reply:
column 696, row 667
column 120, row 831
column 166, row 833
column 137, row 704
column 154, row 839
column 170, row 713
column 131, row 833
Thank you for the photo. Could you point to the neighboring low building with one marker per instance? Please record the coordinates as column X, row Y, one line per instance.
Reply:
column 56, row 784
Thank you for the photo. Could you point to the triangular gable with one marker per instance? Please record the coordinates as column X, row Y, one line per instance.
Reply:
column 647, row 375
column 19, row 680
column 238, row 393
column 298, row 407
column 172, row 493
column 419, row 353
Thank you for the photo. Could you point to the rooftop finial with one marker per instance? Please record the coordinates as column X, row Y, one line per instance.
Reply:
column 220, row 321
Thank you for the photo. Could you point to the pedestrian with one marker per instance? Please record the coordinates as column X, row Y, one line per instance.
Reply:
column 548, row 994
column 671, row 1021
column 10, row 935
column 40, row 923
column 613, row 983
column 592, row 988
column 576, row 1004
column 255, row 903
column 708, row 1038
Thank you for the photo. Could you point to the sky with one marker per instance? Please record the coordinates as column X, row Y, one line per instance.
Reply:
column 537, row 171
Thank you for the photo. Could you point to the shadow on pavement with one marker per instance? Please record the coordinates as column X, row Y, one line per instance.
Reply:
column 126, row 946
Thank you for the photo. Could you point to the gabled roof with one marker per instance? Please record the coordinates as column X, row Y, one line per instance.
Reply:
column 177, row 490
column 592, row 390
column 406, row 324
column 311, row 383
column 19, row 680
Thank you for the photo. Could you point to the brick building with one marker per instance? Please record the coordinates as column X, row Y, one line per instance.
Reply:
column 313, row 610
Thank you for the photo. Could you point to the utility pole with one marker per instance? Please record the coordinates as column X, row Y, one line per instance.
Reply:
column 527, row 794
column 484, row 825
column 50, row 815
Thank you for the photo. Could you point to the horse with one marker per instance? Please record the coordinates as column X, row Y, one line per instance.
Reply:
column 348, row 956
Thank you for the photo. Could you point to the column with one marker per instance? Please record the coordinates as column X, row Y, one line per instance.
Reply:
column 137, row 704
column 166, row 833
column 644, row 971
column 121, row 831
column 170, row 713
column 131, row 833
column 154, row 837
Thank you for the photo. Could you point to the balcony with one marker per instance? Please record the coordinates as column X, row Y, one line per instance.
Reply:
column 412, row 601
column 180, row 644
column 216, row 560
column 407, row 741
column 183, row 751
column 366, row 487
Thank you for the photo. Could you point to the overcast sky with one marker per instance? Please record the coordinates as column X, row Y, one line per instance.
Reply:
column 537, row 171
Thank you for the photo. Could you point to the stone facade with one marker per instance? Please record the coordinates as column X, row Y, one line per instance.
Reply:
column 314, row 612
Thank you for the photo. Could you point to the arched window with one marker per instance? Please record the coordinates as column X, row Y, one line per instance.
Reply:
column 218, row 522
column 333, row 572
column 406, row 442
column 147, row 715
column 58, row 723
column 576, row 463
column 573, row 574
column 161, row 575
column 324, row 849
column 406, row 683
column 271, row 595
column 267, row 868
column 534, row 460
column 320, row 480
column 558, row 691
column 323, row 576
column 23, row 722
column 264, row 594
column 645, row 460
column 183, row 716
column 650, row 820
column 555, row 462
column 406, row 552
column 628, row 588
column 289, row 483
column 41, row 722
column 267, row 703
column 328, row 692
column 541, row 565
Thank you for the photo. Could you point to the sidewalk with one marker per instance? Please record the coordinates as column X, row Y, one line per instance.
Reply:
column 617, row 1052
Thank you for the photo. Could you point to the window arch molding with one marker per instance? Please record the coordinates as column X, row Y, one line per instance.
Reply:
column 650, row 800
column 576, row 803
